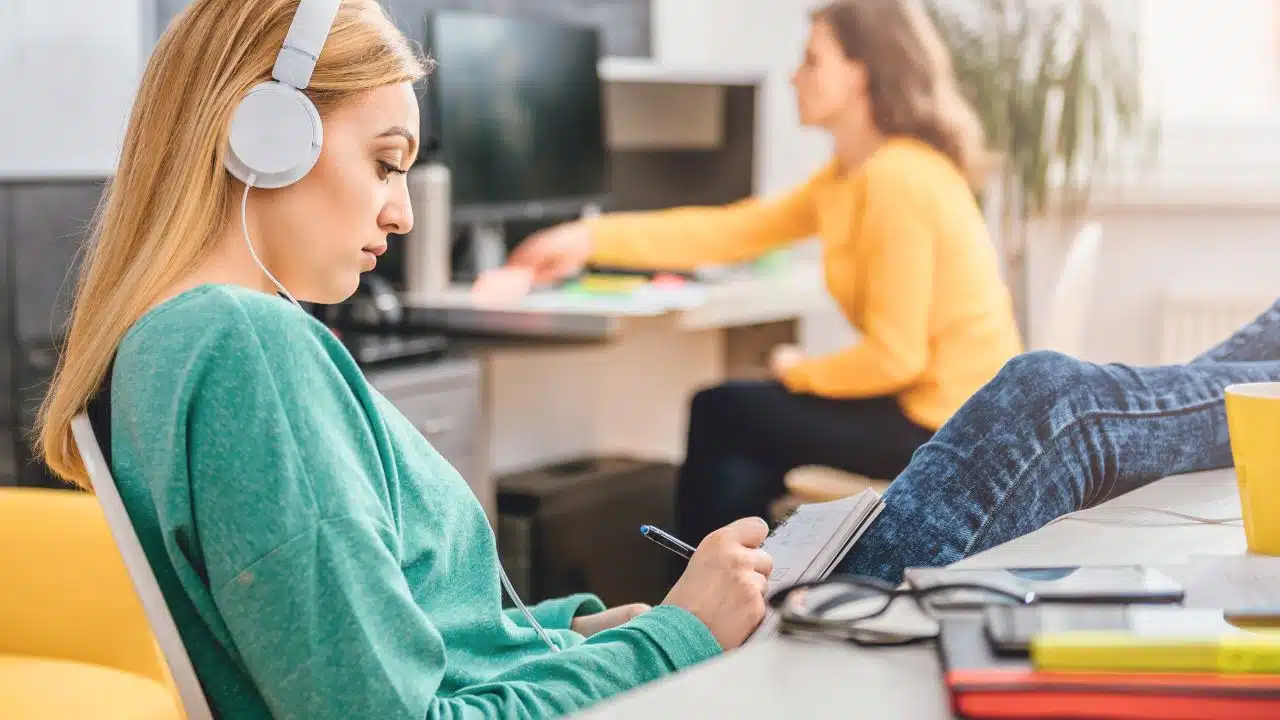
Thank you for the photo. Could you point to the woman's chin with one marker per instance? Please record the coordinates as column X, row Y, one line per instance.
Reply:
column 337, row 291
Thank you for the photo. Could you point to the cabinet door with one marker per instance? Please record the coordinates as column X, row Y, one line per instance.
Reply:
column 50, row 222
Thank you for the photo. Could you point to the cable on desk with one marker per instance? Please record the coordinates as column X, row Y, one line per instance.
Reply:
column 1188, row 518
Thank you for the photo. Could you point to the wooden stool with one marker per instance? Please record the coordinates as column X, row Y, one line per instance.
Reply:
column 817, row 483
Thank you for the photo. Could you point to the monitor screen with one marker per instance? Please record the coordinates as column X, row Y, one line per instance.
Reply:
column 515, row 103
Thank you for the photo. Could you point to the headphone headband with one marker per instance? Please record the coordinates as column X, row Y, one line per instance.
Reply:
column 302, row 45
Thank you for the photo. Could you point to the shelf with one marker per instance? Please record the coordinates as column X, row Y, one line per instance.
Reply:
column 641, row 70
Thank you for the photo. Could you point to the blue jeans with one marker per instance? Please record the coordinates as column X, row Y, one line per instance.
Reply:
column 1051, row 435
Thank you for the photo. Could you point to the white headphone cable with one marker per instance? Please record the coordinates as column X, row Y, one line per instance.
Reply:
column 537, row 627
column 244, row 225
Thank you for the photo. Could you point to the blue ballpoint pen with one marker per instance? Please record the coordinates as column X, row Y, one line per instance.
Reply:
column 668, row 541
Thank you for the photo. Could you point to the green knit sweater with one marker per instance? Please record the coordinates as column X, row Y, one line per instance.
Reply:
column 320, row 558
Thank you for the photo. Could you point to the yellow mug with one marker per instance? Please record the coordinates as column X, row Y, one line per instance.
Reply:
column 1253, row 419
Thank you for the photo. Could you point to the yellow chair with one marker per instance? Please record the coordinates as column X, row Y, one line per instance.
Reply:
column 74, row 640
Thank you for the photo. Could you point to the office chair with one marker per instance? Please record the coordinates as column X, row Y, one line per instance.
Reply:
column 144, row 580
column 74, row 640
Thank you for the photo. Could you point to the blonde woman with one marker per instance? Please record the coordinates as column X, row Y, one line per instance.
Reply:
column 320, row 558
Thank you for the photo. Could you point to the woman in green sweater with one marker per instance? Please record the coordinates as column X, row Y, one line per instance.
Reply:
column 320, row 558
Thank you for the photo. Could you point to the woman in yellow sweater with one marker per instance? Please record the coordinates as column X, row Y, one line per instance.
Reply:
column 906, row 254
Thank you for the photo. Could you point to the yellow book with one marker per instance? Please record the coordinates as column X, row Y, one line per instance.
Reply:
column 1163, row 640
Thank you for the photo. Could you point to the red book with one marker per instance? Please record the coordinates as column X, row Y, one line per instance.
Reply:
column 985, row 685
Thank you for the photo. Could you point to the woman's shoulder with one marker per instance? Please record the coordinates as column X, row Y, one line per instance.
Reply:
column 906, row 171
column 231, row 323
column 219, row 305
column 903, row 159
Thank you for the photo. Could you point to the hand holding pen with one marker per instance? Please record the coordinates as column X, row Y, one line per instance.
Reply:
column 668, row 541
column 727, row 577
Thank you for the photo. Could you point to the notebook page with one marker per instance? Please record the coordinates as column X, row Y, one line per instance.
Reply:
column 801, row 540
column 801, row 547
column 796, row 543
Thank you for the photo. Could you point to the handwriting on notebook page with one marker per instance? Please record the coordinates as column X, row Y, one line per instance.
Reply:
column 801, row 538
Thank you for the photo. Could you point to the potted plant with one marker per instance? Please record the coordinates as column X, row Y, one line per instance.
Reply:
column 1057, row 85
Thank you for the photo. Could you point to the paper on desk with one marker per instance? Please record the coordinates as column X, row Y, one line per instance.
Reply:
column 641, row 301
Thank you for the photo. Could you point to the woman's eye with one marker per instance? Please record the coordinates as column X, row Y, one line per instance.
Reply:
column 386, row 169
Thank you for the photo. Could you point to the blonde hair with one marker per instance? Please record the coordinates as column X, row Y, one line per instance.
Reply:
column 912, row 85
column 169, row 198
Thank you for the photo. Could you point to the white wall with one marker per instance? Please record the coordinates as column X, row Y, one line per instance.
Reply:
column 71, row 67
column 1150, row 249
column 1211, row 58
column 1214, row 77
column 68, row 73
column 765, row 34
column 1208, row 214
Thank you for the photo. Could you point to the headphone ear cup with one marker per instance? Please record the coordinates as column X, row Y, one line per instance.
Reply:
column 275, row 136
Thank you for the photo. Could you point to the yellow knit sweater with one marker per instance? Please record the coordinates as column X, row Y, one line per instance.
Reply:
column 906, row 255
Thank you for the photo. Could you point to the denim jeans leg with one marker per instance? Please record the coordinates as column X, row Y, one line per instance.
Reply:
column 1049, row 435
column 1259, row 341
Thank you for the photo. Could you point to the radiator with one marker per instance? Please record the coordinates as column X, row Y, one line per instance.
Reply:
column 1192, row 321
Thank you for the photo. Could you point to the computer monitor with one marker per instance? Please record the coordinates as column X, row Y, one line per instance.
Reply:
column 515, row 104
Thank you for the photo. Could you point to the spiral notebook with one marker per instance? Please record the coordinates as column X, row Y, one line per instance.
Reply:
column 810, row 542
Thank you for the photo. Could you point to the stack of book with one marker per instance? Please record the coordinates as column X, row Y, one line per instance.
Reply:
column 1165, row 664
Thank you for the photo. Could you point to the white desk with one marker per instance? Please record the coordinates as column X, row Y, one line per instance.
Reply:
column 785, row 677
column 745, row 300
column 630, row 395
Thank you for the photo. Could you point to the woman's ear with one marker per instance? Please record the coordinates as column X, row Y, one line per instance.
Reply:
column 859, row 76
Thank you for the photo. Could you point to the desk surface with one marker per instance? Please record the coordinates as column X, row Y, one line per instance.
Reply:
column 736, row 302
column 785, row 677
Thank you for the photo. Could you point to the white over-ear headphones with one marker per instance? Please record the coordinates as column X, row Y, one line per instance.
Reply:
column 276, row 133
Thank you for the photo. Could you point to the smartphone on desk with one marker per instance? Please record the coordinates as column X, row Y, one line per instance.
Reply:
column 1088, row 584
column 1010, row 628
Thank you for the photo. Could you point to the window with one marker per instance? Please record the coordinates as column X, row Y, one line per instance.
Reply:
column 1213, row 75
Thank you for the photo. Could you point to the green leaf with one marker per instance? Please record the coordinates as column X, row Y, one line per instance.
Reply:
column 1010, row 55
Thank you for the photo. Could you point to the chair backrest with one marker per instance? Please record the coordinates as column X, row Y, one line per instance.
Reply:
column 140, row 572
column 1073, row 295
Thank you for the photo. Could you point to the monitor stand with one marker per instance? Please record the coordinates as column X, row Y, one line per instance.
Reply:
column 489, row 240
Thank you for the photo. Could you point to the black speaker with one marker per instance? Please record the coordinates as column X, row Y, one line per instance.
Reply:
column 575, row 527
